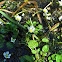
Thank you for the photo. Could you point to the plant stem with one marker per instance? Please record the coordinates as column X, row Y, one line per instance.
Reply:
column 36, row 49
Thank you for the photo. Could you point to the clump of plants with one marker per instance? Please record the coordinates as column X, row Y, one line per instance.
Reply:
column 29, row 33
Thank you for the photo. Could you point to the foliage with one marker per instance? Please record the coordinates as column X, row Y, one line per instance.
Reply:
column 42, row 44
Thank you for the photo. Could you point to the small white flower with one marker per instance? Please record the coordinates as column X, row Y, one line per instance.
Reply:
column 48, row 14
column 18, row 18
column 23, row 14
column 60, row 3
column 6, row 54
column 31, row 29
column 60, row 18
column 45, row 14
column 45, row 10
column 48, row 18
column 12, row 40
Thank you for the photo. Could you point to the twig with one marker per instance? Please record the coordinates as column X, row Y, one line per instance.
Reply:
column 35, row 47
column 52, row 28
column 35, row 5
column 1, row 3
column 6, row 10
column 31, row 21
column 48, row 4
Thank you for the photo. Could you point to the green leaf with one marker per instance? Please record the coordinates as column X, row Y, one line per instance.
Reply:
column 27, row 39
column 45, row 48
column 32, row 44
column 25, row 25
column 45, row 40
column 33, row 51
column 58, row 37
column 33, row 57
column 44, row 54
column 38, row 50
column 41, row 52
column 57, row 2
column 28, row 22
column 3, row 7
column 22, row 59
column 58, row 58
column 40, row 26
column 35, row 61
column 37, row 29
column 50, row 60
column 53, row 57
column 28, row 58
column 35, row 32
column 34, row 23
column 36, row 55
column 9, row 45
